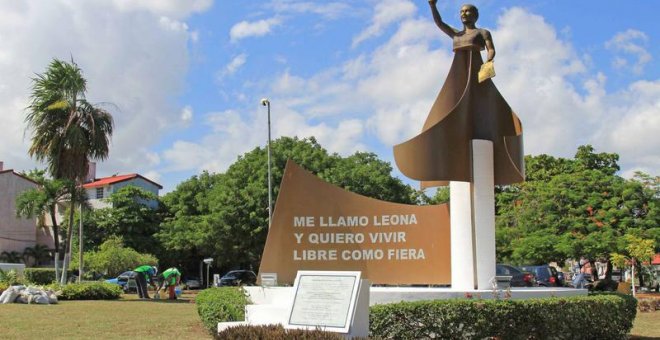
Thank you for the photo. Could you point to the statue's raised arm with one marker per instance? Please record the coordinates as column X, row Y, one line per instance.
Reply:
column 450, row 31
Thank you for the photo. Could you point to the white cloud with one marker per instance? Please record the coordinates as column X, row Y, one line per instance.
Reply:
column 131, row 55
column 246, row 29
column 153, row 176
column 234, row 65
column 632, row 124
column 185, row 155
column 173, row 25
column 187, row 114
column 386, row 13
column 234, row 134
column 330, row 10
column 557, row 116
column 171, row 8
column 631, row 42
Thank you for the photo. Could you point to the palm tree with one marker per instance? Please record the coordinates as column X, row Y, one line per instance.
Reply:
column 11, row 256
column 68, row 131
column 38, row 254
column 28, row 253
column 43, row 201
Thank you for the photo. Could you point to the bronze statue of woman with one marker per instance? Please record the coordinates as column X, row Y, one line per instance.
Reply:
column 464, row 110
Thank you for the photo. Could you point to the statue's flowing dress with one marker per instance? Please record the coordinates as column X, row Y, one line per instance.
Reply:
column 464, row 110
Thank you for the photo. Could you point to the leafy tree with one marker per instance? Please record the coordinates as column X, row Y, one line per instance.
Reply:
column 364, row 173
column 637, row 250
column 441, row 196
column 113, row 258
column 130, row 215
column 67, row 129
column 226, row 215
column 568, row 208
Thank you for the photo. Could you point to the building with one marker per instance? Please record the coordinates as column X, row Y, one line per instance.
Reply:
column 16, row 234
column 101, row 188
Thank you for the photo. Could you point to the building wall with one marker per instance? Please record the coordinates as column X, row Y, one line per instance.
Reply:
column 112, row 188
column 15, row 233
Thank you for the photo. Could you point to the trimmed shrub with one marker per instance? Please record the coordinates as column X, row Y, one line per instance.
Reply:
column 42, row 276
column 275, row 332
column 599, row 316
column 90, row 291
column 11, row 278
column 221, row 304
column 3, row 286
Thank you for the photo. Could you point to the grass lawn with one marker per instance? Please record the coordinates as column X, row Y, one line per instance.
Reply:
column 121, row 319
column 646, row 326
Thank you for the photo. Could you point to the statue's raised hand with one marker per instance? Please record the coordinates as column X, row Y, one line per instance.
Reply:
column 433, row 2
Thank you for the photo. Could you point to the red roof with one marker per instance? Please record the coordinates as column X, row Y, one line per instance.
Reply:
column 656, row 259
column 116, row 179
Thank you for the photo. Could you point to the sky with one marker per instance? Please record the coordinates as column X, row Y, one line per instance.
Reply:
column 184, row 79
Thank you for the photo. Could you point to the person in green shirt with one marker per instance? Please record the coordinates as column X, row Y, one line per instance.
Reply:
column 171, row 279
column 145, row 274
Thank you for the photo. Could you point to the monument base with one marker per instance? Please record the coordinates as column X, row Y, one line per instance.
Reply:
column 270, row 305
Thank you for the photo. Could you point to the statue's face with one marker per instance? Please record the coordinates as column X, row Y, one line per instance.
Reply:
column 468, row 14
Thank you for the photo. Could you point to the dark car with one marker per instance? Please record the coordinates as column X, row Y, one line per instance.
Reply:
column 239, row 278
column 511, row 276
column 546, row 276
column 192, row 282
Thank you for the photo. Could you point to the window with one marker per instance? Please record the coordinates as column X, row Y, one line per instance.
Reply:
column 99, row 192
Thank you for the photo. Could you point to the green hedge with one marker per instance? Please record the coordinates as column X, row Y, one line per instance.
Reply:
column 221, row 304
column 42, row 276
column 90, row 291
column 599, row 316
column 275, row 332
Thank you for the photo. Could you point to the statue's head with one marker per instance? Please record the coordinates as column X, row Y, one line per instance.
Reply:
column 469, row 14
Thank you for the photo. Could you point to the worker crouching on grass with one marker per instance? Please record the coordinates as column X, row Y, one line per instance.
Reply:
column 171, row 279
column 145, row 274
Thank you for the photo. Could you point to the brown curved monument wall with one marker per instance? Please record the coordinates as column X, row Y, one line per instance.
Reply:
column 318, row 226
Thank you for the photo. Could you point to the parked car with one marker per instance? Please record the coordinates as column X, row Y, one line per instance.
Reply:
column 239, row 278
column 126, row 281
column 191, row 282
column 510, row 276
column 546, row 276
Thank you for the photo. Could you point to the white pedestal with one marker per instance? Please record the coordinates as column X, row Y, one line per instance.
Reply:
column 462, row 247
column 472, row 219
column 483, row 203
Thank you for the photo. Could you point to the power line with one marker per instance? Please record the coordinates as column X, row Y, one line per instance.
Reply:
column 15, row 239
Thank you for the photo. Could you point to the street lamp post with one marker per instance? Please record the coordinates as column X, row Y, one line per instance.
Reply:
column 208, row 262
column 80, row 246
column 266, row 102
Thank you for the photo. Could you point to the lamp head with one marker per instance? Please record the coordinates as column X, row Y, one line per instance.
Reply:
column 265, row 102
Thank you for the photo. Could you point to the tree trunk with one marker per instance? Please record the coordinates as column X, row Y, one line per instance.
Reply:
column 67, row 252
column 641, row 277
column 608, row 270
column 80, row 247
column 56, row 240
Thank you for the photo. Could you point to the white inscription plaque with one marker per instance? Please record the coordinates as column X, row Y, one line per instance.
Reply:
column 324, row 299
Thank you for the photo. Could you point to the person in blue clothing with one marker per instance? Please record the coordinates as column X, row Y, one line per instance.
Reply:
column 579, row 280
column 145, row 274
